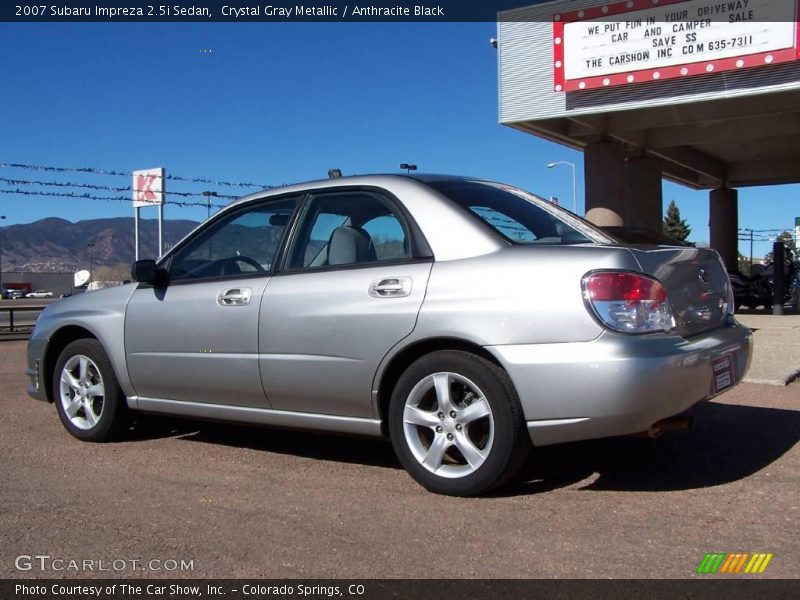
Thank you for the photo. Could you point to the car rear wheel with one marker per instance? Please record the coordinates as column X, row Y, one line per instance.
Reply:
column 456, row 424
column 88, row 398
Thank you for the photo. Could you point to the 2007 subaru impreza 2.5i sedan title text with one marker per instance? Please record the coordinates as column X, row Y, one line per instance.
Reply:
column 466, row 320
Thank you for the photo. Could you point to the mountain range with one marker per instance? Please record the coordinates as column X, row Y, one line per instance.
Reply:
column 57, row 245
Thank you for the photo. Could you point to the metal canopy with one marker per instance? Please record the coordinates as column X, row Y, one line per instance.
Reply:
column 737, row 127
column 742, row 141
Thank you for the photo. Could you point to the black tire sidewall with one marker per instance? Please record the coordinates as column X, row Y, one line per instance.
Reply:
column 509, row 428
column 114, row 403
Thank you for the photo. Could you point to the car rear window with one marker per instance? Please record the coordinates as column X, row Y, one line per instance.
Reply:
column 519, row 217
column 637, row 236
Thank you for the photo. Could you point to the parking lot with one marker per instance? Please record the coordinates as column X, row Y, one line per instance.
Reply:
column 249, row 502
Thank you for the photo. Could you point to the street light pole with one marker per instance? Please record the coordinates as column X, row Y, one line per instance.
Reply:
column 574, row 182
column 208, row 195
column 91, row 260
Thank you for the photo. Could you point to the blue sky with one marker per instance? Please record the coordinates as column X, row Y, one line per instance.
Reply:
column 278, row 103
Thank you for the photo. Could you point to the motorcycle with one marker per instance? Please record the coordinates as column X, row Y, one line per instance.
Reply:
column 758, row 289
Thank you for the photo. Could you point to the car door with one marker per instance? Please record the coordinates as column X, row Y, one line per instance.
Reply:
column 196, row 340
column 353, row 282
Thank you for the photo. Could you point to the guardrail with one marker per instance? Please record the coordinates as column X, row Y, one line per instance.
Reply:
column 12, row 324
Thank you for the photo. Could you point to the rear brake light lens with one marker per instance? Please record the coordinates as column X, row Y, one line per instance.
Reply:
column 628, row 302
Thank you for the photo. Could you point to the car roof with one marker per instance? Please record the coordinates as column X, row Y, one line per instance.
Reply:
column 376, row 179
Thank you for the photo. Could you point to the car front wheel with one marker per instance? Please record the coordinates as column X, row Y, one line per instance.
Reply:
column 88, row 398
column 456, row 424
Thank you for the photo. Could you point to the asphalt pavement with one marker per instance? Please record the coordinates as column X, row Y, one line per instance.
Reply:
column 251, row 502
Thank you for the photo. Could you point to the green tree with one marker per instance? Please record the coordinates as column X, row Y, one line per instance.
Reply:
column 790, row 253
column 674, row 226
column 743, row 263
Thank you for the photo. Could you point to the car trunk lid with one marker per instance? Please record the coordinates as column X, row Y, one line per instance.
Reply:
column 696, row 283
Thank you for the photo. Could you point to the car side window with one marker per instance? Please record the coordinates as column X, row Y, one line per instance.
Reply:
column 245, row 242
column 346, row 228
column 509, row 227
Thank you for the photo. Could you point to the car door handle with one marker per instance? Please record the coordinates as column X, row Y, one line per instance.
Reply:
column 234, row 297
column 390, row 287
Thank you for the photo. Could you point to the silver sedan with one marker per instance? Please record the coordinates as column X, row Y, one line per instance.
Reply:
column 466, row 320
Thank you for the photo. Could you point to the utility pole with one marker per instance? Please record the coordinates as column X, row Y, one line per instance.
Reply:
column 2, row 217
column 746, row 235
column 208, row 195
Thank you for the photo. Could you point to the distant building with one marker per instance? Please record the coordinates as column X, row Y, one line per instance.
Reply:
column 58, row 283
column 704, row 93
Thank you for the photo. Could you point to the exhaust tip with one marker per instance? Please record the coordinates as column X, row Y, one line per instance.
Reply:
column 659, row 427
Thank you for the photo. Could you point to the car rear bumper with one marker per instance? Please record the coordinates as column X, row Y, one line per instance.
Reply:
column 617, row 384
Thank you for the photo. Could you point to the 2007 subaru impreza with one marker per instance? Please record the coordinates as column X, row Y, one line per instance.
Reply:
column 464, row 319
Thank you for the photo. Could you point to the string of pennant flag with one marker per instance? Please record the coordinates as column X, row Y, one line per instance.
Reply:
column 88, row 196
column 97, row 171
column 760, row 235
column 746, row 230
column 93, row 186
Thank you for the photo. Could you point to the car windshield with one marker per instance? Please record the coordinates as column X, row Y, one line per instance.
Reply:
column 520, row 217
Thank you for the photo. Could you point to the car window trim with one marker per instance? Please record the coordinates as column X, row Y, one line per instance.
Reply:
column 559, row 212
column 420, row 249
column 166, row 261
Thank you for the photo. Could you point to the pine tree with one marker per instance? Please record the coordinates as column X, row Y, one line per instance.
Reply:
column 674, row 226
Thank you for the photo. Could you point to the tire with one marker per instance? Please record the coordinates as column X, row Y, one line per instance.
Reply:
column 87, row 395
column 480, row 448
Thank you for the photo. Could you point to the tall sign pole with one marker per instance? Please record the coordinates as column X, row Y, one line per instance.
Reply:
column 136, row 231
column 161, row 229
column 148, row 190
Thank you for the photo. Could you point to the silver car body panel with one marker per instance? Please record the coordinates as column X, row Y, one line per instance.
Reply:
column 507, row 298
column 617, row 384
column 695, row 280
column 102, row 313
column 323, row 335
column 310, row 349
column 523, row 294
column 182, row 344
column 261, row 416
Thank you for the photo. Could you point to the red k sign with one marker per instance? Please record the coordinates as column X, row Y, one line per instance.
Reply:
column 143, row 189
column 148, row 187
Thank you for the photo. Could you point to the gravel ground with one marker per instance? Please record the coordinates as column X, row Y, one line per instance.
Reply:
column 249, row 502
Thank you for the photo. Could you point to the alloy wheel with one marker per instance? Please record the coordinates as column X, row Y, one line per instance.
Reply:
column 448, row 425
column 82, row 391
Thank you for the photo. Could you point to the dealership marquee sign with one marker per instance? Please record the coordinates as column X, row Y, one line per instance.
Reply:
column 647, row 40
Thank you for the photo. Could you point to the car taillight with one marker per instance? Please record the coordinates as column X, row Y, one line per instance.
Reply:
column 628, row 302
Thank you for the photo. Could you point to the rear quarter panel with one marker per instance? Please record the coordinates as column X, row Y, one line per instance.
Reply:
column 518, row 295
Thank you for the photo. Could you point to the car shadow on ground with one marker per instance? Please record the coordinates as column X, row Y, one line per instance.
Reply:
column 727, row 443
column 321, row 446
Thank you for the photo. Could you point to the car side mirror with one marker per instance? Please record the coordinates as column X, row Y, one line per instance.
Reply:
column 146, row 271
